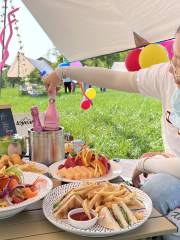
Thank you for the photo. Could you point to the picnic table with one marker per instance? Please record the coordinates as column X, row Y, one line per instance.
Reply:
column 32, row 225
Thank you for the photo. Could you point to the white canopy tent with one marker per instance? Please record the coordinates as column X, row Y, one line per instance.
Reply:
column 23, row 66
column 82, row 29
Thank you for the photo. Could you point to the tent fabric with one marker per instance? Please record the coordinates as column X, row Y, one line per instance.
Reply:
column 83, row 29
column 119, row 66
column 21, row 67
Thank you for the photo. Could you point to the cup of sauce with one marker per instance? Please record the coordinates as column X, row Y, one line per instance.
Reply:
column 78, row 218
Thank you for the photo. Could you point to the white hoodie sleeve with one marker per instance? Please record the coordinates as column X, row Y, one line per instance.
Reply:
column 160, row 164
column 101, row 77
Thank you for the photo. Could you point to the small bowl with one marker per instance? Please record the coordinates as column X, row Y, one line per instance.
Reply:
column 82, row 224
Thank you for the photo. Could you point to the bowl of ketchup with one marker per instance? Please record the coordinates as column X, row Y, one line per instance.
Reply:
column 79, row 219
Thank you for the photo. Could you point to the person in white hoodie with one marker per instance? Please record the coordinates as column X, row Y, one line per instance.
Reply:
column 159, row 81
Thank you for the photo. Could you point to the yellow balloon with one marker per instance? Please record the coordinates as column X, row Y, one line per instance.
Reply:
column 152, row 54
column 90, row 93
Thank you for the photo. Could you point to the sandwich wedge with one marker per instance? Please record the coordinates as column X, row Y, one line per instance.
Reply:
column 62, row 201
column 136, row 205
column 107, row 220
column 74, row 201
column 129, row 216
column 120, row 218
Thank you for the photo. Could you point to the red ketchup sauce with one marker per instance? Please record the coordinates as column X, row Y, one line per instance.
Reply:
column 81, row 216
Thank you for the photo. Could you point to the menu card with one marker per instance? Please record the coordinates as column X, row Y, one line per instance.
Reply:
column 7, row 125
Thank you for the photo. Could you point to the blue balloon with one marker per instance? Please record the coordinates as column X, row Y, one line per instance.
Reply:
column 43, row 73
column 64, row 64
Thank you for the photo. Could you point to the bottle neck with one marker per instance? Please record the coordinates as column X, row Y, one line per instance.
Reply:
column 37, row 127
column 52, row 100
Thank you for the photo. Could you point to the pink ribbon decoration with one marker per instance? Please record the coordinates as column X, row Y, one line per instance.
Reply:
column 5, row 51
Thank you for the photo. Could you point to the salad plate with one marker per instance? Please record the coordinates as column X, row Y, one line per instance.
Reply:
column 16, row 196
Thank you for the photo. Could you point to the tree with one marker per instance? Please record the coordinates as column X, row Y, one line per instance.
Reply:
column 59, row 60
column 102, row 61
column 52, row 54
column 12, row 81
column 106, row 60
column 4, row 78
column 35, row 77
column 5, row 81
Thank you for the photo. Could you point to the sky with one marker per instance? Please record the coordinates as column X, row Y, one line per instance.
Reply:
column 35, row 40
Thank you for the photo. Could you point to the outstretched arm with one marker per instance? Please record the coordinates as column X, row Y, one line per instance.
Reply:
column 156, row 164
column 101, row 77
column 160, row 164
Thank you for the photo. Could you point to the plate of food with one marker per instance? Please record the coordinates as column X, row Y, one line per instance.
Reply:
column 85, row 165
column 25, row 165
column 19, row 189
column 97, row 209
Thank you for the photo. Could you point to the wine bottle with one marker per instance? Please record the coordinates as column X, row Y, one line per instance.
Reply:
column 37, row 127
column 51, row 117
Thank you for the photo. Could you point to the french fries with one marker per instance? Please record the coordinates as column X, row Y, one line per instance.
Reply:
column 96, row 196
column 94, row 200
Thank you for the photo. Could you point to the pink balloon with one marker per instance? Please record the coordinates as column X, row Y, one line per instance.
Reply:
column 85, row 103
column 169, row 47
column 76, row 64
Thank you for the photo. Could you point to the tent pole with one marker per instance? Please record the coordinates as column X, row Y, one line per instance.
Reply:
column 2, row 54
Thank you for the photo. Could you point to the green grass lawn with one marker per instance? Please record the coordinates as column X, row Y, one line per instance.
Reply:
column 119, row 124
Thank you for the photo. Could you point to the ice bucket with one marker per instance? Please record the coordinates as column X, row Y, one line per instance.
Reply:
column 46, row 147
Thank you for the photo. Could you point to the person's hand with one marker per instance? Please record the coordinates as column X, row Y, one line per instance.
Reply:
column 136, row 181
column 151, row 154
column 52, row 83
column 136, row 178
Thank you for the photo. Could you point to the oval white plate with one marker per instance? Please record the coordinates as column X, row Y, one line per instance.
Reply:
column 97, row 230
column 29, row 178
column 114, row 172
column 40, row 166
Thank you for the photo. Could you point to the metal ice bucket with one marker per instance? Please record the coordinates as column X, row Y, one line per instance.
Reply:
column 46, row 147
